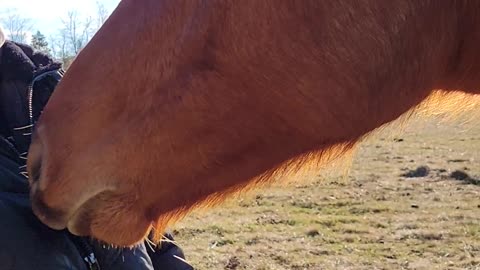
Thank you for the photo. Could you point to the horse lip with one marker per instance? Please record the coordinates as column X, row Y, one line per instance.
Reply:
column 58, row 219
column 54, row 218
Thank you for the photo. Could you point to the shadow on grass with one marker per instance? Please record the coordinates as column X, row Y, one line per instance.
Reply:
column 464, row 177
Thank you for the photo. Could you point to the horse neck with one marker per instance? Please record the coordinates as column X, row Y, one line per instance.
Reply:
column 464, row 67
column 236, row 107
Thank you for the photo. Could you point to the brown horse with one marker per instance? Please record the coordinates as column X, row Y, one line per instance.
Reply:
column 180, row 103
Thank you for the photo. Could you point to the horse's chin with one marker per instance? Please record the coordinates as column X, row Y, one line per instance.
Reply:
column 109, row 224
column 107, row 234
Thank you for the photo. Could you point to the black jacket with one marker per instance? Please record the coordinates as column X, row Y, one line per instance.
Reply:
column 27, row 79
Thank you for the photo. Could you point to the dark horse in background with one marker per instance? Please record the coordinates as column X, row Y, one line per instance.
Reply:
column 180, row 103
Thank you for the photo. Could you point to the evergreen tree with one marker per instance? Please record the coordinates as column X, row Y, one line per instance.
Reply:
column 39, row 42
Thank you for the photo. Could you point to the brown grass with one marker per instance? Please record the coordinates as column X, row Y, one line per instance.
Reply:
column 369, row 218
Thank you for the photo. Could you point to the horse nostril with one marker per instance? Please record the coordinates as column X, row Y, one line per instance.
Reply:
column 34, row 161
column 35, row 170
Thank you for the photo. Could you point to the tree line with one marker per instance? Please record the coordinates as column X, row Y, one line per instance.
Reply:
column 72, row 34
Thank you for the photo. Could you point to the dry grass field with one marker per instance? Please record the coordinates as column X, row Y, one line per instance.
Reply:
column 410, row 200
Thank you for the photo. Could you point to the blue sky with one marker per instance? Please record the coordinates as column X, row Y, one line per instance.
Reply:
column 46, row 14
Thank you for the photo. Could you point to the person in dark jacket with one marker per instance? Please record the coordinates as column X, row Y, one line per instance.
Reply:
column 27, row 79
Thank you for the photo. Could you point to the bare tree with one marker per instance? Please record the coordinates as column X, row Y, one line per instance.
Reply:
column 58, row 45
column 87, row 32
column 52, row 42
column 102, row 14
column 16, row 26
column 77, row 31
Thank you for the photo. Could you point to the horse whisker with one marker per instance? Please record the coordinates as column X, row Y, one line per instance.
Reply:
column 167, row 240
column 170, row 241
column 150, row 244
